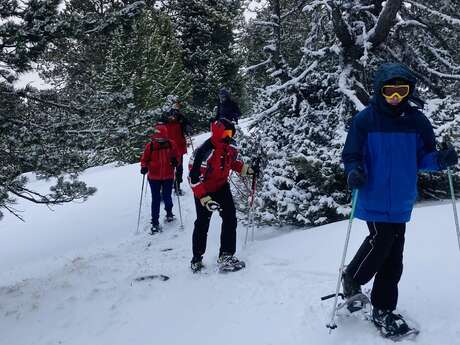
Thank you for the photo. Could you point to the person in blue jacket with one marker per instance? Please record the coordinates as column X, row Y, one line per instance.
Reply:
column 388, row 143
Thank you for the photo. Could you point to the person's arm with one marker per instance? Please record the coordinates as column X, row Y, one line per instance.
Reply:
column 174, row 155
column 145, row 158
column 239, row 167
column 353, row 151
column 427, row 155
column 185, row 125
column 197, row 170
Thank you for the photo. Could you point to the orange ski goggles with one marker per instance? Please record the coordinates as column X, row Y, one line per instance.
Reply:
column 227, row 133
column 398, row 91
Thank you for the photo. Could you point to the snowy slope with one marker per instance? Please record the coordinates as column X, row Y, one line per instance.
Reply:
column 65, row 278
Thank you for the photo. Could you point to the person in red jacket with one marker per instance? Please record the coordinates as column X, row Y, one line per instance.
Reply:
column 159, row 159
column 178, row 128
column 210, row 167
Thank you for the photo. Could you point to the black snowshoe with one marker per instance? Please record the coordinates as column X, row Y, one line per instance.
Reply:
column 229, row 263
column 170, row 218
column 392, row 325
column 155, row 229
column 196, row 265
column 355, row 303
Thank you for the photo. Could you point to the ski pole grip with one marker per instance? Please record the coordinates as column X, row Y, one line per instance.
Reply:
column 331, row 296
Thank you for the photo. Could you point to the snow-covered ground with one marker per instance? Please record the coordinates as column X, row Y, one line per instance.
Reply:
column 66, row 277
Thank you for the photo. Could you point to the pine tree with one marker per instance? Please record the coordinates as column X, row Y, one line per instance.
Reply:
column 206, row 36
column 121, row 67
column 32, row 138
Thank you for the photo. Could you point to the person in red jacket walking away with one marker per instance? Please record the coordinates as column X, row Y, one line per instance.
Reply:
column 178, row 128
column 209, row 170
column 159, row 159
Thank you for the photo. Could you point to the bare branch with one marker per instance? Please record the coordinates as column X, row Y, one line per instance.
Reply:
column 14, row 212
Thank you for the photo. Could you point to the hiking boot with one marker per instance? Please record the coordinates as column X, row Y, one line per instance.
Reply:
column 170, row 217
column 196, row 264
column 389, row 323
column 155, row 229
column 229, row 263
column 349, row 286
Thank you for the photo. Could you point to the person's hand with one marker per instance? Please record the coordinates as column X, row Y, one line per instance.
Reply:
column 144, row 170
column 356, row 178
column 209, row 204
column 447, row 157
column 250, row 170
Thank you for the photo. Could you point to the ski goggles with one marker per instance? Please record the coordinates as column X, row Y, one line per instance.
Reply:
column 227, row 133
column 398, row 91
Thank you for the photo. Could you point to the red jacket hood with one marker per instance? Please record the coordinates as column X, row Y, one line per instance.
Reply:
column 161, row 132
column 217, row 130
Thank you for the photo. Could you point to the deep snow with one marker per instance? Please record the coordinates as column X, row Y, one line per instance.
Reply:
column 66, row 277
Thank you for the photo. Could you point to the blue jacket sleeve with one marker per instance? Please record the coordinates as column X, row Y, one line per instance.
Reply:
column 353, row 152
column 427, row 156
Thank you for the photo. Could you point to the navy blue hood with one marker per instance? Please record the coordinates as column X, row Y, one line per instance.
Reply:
column 385, row 73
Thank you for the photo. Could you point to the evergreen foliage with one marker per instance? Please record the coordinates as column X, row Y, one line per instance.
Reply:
column 122, row 68
column 32, row 137
column 207, row 39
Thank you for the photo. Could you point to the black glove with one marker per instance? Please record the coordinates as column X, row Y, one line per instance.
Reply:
column 144, row 170
column 255, row 170
column 356, row 178
column 174, row 162
column 447, row 157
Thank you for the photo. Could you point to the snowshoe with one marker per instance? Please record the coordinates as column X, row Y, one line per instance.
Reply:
column 170, row 217
column 355, row 303
column 196, row 265
column 155, row 229
column 355, row 300
column 229, row 263
column 392, row 325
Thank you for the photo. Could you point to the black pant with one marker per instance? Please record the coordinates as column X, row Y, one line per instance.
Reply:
column 179, row 173
column 228, row 214
column 381, row 254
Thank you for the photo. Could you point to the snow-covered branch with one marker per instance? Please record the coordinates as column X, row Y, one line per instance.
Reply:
column 443, row 16
column 380, row 31
column 294, row 81
column 346, row 90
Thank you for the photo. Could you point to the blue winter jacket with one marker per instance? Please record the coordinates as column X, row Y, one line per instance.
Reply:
column 391, row 145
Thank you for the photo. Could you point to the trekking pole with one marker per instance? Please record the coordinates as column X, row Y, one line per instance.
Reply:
column 251, row 205
column 454, row 204
column 332, row 325
column 191, row 143
column 452, row 194
column 178, row 203
column 251, row 213
column 140, row 205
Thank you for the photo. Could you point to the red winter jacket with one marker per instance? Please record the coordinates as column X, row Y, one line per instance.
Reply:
column 159, row 155
column 177, row 126
column 176, row 134
column 211, row 164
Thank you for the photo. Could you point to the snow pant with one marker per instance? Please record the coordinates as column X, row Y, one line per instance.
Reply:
column 380, row 255
column 161, row 189
column 179, row 172
column 228, row 231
